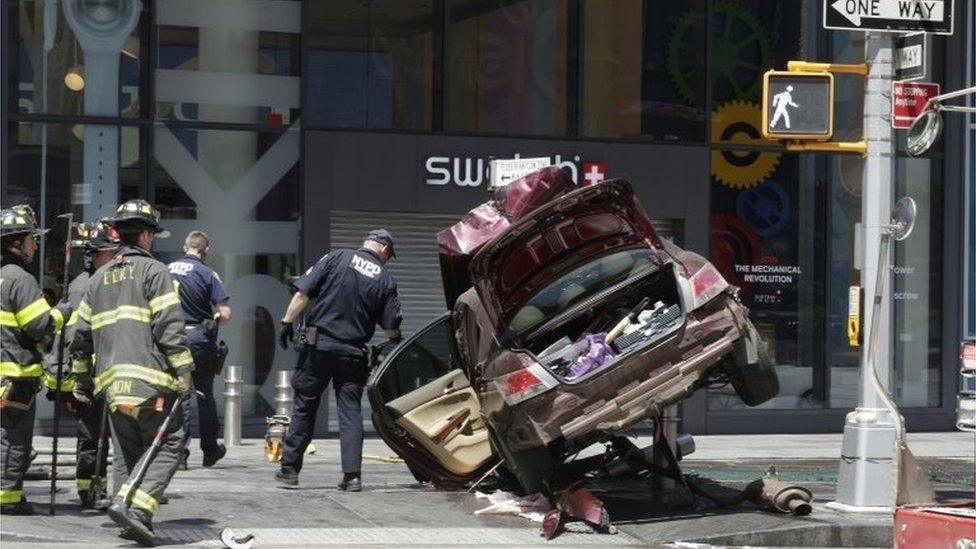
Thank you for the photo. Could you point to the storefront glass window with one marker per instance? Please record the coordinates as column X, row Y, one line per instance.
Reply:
column 642, row 69
column 241, row 188
column 506, row 67
column 214, row 68
column 51, row 64
column 372, row 64
column 46, row 170
column 765, row 241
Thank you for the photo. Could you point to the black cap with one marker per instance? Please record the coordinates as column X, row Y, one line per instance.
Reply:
column 382, row 236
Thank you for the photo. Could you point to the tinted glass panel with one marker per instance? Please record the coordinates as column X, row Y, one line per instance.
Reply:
column 215, row 68
column 643, row 69
column 55, row 73
column 372, row 64
column 506, row 66
column 418, row 362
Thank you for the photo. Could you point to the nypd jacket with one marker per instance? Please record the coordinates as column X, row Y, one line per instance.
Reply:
column 25, row 320
column 76, row 291
column 130, row 319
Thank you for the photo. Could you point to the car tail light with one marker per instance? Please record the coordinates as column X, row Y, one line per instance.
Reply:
column 525, row 383
column 707, row 283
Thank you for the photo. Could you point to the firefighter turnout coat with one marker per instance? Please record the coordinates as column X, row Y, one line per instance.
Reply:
column 131, row 320
column 76, row 291
column 25, row 320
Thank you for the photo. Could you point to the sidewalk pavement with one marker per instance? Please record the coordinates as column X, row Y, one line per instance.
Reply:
column 395, row 511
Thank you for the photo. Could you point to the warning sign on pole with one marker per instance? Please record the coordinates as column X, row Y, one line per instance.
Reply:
column 908, row 100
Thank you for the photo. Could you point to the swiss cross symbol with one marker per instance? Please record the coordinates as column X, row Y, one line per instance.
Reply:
column 593, row 173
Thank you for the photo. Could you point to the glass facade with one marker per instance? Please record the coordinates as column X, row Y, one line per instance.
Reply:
column 206, row 114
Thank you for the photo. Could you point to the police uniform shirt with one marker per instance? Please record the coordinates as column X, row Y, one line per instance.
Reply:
column 199, row 286
column 352, row 292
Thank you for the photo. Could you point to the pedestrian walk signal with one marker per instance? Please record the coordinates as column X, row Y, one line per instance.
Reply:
column 798, row 105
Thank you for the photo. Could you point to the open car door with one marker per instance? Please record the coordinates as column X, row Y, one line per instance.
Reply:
column 425, row 409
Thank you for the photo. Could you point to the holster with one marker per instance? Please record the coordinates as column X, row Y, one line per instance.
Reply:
column 222, row 351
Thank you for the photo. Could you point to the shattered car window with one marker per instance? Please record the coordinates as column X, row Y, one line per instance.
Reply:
column 580, row 284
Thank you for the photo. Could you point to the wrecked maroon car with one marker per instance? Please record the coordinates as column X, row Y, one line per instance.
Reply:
column 571, row 320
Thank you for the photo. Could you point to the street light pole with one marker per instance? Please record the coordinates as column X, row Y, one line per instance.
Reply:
column 865, row 480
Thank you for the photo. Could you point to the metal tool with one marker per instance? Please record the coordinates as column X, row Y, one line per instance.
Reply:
column 60, row 358
column 229, row 540
column 100, row 451
column 135, row 481
column 627, row 320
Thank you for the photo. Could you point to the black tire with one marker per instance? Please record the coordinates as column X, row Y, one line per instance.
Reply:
column 755, row 383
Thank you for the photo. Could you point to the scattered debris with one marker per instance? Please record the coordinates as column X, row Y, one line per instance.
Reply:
column 533, row 507
column 229, row 540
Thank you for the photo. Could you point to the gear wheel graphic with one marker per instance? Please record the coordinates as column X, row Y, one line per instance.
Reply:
column 738, row 122
column 741, row 51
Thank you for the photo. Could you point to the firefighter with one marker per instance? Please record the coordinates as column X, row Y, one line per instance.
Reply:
column 205, row 304
column 27, row 323
column 99, row 243
column 130, row 319
column 353, row 292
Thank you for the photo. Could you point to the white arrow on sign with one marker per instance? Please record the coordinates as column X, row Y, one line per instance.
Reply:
column 906, row 10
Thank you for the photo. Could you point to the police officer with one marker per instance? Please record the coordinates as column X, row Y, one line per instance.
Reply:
column 352, row 292
column 130, row 320
column 26, row 324
column 205, row 303
column 99, row 244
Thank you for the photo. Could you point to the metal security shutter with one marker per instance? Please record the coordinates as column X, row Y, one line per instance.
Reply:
column 664, row 228
column 416, row 269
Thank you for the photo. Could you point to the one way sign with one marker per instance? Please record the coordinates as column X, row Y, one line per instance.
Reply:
column 934, row 16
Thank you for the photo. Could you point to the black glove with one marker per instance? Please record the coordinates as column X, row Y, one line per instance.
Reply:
column 287, row 334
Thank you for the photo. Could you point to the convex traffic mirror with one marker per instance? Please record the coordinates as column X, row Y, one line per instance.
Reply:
column 903, row 218
column 924, row 132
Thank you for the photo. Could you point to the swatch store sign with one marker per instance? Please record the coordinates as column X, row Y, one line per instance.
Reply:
column 463, row 171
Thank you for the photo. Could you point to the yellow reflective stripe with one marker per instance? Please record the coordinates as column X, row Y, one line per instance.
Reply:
column 144, row 373
column 123, row 312
column 58, row 317
column 73, row 319
column 12, row 369
column 140, row 499
column 83, row 483
column 84, row 311
column 10, row 496
column 50, row 381
column 122, row 400
column 32, row 311
column 168, row 299
column 8, row 319
column 180, row 359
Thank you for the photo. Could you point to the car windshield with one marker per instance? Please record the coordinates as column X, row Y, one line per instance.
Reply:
column 579, row 284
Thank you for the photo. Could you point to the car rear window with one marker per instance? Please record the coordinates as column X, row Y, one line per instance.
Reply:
column 579, row 284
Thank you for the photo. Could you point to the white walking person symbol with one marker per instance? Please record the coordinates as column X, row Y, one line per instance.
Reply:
column 780, row 101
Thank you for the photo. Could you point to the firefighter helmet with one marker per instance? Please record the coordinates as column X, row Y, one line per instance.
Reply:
column 95, row 236
column 17, row 220
column 137, row 214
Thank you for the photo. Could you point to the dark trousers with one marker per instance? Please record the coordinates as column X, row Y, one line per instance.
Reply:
column 89, row 427
column 132, row 436
column 16, row 432
column 204, row 352
column 345, row 367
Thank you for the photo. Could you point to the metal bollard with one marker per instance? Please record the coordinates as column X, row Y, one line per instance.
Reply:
column 284, row 394
column 233, row 393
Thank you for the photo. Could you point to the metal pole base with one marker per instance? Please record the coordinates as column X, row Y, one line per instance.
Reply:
column 864, row 482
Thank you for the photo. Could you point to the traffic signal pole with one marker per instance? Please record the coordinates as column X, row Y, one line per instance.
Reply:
column 866, row 482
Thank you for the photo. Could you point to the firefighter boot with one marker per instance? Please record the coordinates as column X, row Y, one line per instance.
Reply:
column 22, row 507
column 136, row 524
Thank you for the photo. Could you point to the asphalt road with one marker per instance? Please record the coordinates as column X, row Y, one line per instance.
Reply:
column 395, row 511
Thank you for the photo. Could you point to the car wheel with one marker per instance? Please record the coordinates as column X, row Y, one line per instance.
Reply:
column 757, row 382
